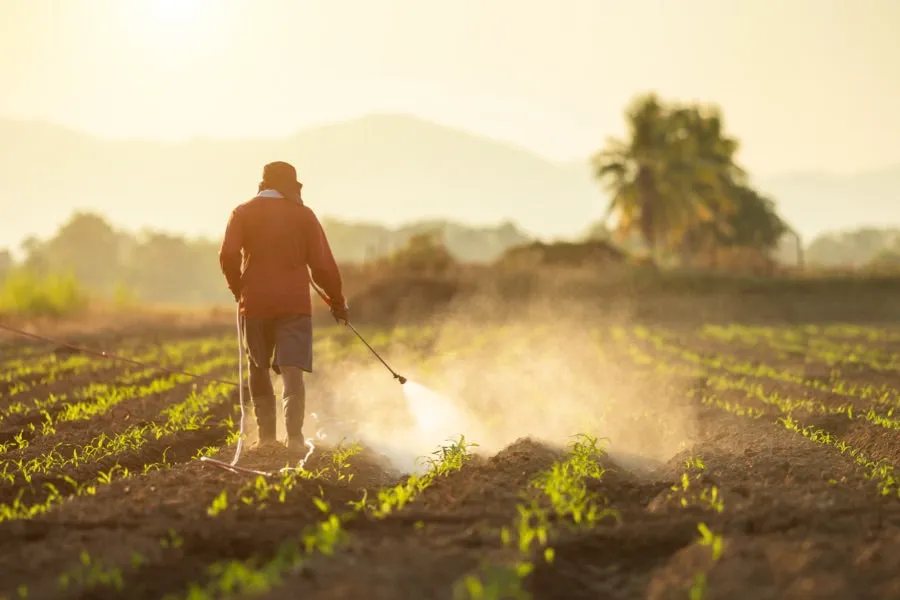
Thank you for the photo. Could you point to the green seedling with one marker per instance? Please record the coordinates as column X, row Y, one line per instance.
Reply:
column 91, row 574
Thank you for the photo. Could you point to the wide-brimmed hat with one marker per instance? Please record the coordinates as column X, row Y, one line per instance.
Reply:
column 280, row 175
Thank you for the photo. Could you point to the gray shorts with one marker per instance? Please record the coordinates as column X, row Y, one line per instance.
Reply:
column 286, row 339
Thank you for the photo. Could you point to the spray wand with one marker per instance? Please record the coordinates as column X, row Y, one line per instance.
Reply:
column 327, row 301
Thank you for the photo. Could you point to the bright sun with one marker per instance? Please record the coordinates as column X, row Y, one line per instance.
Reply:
column 169, row 24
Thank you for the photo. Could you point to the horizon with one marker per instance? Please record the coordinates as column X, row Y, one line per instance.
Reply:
column 362, row 116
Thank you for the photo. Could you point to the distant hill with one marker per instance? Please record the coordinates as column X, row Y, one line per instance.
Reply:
column 816, row 203
column 387, row 170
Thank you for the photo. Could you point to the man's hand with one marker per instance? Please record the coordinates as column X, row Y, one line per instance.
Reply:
column 339, row 311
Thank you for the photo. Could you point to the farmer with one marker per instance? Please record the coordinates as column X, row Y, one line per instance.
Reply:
column 269, row 242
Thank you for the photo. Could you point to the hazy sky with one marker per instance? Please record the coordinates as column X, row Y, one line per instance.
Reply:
column 807, row 84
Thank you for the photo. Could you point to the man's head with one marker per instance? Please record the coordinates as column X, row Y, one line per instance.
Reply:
column 280, row 176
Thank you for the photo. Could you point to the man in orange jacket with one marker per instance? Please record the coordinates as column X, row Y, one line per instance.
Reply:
column 269, row 242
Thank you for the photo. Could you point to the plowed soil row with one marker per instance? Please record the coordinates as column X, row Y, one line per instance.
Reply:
column 877, row 441
column 148, row 332
column 125, row 345
column 808, row 365
column 137, row 412
column 127, row 411
column 98, row 369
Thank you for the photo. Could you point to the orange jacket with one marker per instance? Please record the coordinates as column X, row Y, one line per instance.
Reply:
column 269, row 242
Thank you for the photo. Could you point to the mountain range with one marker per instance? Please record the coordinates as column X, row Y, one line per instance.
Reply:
column 390, row 170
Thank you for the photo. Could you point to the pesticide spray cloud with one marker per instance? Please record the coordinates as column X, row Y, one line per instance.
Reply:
column 435, row 416
column 403, row 425
column 539, row 376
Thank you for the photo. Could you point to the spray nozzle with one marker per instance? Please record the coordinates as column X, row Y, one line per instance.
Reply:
column 321, row 293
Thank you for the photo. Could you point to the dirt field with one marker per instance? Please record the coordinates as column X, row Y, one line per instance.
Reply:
column 740, row 462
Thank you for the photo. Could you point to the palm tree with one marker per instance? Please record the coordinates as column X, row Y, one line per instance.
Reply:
column 632, row 170
column 672, row 172
column 706, row 164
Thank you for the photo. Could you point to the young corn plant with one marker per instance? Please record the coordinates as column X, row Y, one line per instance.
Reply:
column 716, row 546
column 90, row 575
column 443, row 461
column 261, row 490
column 494, row 582
column 689, row 489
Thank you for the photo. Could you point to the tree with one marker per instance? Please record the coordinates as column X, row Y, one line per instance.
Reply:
column 752, row 223
column 706, row 164
column 675, row 170
column 425, row 252
column 164, row 267
column 633, row 170
column 86, row 245
column 886, row 258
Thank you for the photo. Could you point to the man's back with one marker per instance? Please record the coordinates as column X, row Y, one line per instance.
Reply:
column 269, row 242
column 279, row 237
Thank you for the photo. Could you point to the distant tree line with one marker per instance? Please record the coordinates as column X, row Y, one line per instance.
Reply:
column 154, row 266
column 151, row 266
column 366, row 242
column 867, row 246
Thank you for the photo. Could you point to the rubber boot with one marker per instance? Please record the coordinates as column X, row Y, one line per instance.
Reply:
column 294, row 408
column 264, row 410
column 294, row 405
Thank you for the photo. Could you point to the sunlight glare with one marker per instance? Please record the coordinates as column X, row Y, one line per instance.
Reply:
column 165, row 10
column 170, row 24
